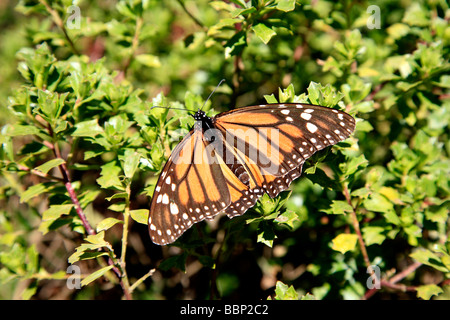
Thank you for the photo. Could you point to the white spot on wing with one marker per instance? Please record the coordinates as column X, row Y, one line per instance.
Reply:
column 311, row 127
column 305, row 116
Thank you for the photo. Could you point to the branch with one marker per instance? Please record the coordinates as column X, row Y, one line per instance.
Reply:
column 355, row 223
column 392, row 282
column 197, row 22
column 134, row 46
column 59, row 22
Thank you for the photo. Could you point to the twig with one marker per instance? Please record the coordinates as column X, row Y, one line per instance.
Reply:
column 59, row 22
column 197, row 22
column 142, row 279
column 134, row 45
column 405, row 273
column 39, row 173
column 355, row 223
column 73, row 197
column 392, row 282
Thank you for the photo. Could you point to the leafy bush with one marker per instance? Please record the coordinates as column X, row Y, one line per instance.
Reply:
column 82, row 148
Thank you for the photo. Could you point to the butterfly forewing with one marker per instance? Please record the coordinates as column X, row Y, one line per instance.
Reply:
column 253, row 150
column 191, row 188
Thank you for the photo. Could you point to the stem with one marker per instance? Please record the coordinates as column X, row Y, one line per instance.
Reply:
column 134, row 45
column 39, row 173
column 197, row 22
column 121, row 274
column 142, row 279
column 126, row 217
column 71, row 191
column 392, row 283
column 355, row 223
column 60, row 23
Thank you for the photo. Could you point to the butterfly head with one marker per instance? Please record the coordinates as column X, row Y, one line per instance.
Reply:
column 199, row 115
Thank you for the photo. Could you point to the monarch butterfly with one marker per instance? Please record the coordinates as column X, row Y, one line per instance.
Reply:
column 227, row 162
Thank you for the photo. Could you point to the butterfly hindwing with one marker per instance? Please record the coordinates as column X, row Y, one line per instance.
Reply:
column 284, row 136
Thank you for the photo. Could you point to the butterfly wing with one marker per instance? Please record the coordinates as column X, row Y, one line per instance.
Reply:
column 257, row 149
column 194, row 185
column 274, row 141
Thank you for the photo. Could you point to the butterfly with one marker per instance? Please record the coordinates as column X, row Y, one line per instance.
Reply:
column 227, row 162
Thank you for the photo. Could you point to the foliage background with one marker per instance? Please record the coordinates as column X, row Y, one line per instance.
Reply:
column 79, row 140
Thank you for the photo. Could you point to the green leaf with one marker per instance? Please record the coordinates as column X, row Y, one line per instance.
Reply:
column 288, row 218
column 110, row 176
column 270, row 98
column 355, row 164
column 56, row 210
column 339, row 207
column 285, row 292
column 95, row 275
column 308, row 296
column 88, row 128
column 344, row 242
column 178, row 261
column 266, row 234
column 35, row 190
column 148, row 60
column 286, row 5
column 373, row 235
column 263, row 32
column 130, row 162
column 46, row 167
column 107, row 223
column 427, row 291
column 140, row 215
column 431, row 259
column 97, row 239
column 379, row 203
column 21, row 130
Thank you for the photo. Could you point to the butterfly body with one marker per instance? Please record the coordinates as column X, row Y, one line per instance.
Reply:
column 227, row 162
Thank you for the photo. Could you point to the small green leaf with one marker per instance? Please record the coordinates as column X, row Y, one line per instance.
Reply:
column 430, row 258
column 308, row 296
column 427, row 291
column 270, row 98
column 35, row 190
column 55, row 211
column 266, row 234
column 285, row 292
column 110, row 176
column 148, row 60
column 97, row 239
column 373, row 235
column 140, row 215
column 355, row 164
column 130, row 162
column 379, row 203
column 344, row 242
column 286, row 5
column 178, row 262
column 339, row 207
column 88, row 128
column 107, row 223
column 21, row 130
column 95, row 275
column 263, row 32
column 46, row 167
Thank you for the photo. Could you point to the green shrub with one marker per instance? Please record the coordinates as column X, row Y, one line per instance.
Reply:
column 82, row 148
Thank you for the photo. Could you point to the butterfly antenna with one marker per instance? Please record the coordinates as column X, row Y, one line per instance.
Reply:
column 169, row 108
column 210, row 95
